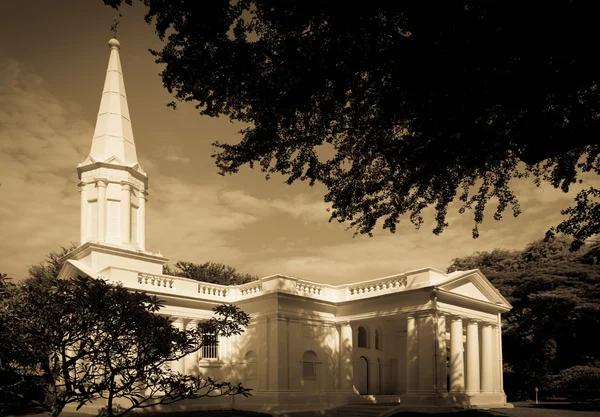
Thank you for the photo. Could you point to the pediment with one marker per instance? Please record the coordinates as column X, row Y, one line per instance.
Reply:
column 71, row 268
column 139, row 168
column 88, row 161
column 114, row 160
column 473, row 284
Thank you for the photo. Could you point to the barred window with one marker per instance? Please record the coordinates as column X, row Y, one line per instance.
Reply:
column 210, row 345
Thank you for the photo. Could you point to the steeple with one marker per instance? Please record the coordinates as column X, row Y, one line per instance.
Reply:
column 113, row 184
column 113, row 136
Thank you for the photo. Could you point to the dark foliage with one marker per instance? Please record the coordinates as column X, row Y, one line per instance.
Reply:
column 397, row 106
column 74, row 341
column 211, row 272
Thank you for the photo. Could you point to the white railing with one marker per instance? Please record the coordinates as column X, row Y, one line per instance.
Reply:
column 309, row 288
column 156, row 280
column 212, row 289
column 250, row 288
column 382, row 285
column 254, row 288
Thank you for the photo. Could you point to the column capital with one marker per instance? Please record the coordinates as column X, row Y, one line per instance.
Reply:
column 125, row 186
column 472, row 321
column 454, row 318
column 101, row 183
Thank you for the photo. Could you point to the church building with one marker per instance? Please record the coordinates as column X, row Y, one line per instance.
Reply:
column 421, row 338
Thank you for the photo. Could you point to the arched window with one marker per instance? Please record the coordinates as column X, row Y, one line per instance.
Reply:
column 378, row 341
column 309, row 365
column 251, row 365
column 363, row 337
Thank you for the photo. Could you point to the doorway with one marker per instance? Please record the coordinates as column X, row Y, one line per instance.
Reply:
column 362, row 376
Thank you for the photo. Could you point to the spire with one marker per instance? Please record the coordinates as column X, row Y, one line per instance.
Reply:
column 113, row 136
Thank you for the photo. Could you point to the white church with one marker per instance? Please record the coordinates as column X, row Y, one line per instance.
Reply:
column 421, row 338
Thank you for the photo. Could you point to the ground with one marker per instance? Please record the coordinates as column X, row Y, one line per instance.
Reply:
column 522, row 409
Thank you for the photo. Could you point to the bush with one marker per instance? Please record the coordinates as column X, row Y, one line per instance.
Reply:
column 117, row 410
column 578, row 383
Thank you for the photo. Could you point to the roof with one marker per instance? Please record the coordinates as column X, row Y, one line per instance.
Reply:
column 113, row 137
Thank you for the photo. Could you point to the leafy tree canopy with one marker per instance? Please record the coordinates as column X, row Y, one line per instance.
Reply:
column 554, row 320
column 83, row 339
column 211, row 272
column 397, row 106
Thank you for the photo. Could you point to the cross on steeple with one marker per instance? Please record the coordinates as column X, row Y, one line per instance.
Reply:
column 113, row 27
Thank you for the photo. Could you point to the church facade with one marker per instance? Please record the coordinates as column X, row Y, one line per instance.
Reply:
column 422, row 338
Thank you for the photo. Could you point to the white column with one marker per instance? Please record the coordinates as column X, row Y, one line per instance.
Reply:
column 457, row 376
column 84, row 213
column 125, row 213
column 499, row 353
column 412, row 355
column 426, row 363
column 346, row 366
column 191, row 361
column 487, row 359
column 497, row 365
column 179, row 366
column 142, row 221
column 473, row 382
column 101, row 184
column 441, row 355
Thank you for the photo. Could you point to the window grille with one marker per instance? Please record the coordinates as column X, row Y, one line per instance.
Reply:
column 309, row 365
column 210, row 346
column 308, row 370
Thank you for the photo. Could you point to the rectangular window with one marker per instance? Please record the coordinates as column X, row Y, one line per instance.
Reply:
column 93, row 220
column 210, row 346
column 134, row 224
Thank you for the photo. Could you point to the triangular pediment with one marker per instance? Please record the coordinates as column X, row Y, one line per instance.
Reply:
column 138, row 167
column 88, row 161
column 72, row 268
column 114, row 160
column 473, row 284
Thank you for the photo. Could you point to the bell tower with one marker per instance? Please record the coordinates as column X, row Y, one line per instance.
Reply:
column 113, row 184
column 114, row 191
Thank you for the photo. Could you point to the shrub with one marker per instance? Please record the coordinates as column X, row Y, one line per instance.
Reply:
column 578, row 383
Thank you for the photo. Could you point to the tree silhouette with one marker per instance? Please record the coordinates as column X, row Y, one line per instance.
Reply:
column 399, row 106
column 211, row 272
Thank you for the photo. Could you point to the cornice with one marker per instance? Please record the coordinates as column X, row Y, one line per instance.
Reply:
column 88, row 247
column 464, row 301
column 95, row 165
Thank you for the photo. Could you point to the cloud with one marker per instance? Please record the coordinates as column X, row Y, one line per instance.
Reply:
column 40, row 145
column 300, row 206
column 173, row 153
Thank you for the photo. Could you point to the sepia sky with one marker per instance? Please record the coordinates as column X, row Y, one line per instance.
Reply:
column 53, row 59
